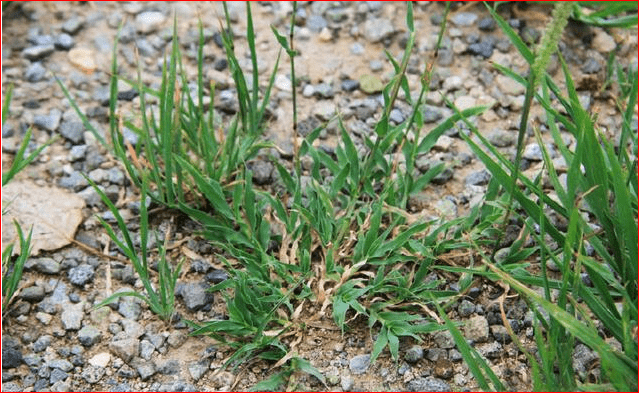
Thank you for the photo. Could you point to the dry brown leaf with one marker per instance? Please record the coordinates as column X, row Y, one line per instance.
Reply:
column 54, row 214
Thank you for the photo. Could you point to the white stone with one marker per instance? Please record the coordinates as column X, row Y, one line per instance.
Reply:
column 100, row 360
column 603, row 42
column 465, row 102
column 283, row 83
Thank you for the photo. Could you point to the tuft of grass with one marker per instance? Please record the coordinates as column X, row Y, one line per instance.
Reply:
column 337, row 234
column 161, row 300
column 601, row 183
column 12, row 272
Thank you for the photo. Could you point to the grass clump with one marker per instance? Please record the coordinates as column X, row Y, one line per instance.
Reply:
column 337, row 236
column 161, row 300
column 601, row 182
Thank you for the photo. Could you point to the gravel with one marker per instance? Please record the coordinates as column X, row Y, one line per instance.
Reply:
column 125, row 348
column 81, row 275
column 89, row 335
column 414, row 354
column 359, row 364
column 72, row 316
column 427, row 385
column 126, row 352
column 477, row 329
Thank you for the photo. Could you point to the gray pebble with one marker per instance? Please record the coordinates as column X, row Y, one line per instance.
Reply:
column 220, row 64
column 32, row 294
column 591, row 66
column 41, row 343
column 414, row 354
column 262, row 172
column 146, row 349
column 115, row 176
column 443, row 176
column 500, row 333
column 60, row 364
column 377, row 29
column 453, row 83
column 454, row 355
column 227, row 102
column 73, row 131
column 582, row 360
column 81, row 275
column 46, row 265
column 324, row 90
column 129, row 308
column 12, row 386
column 90, row 196
column 357, row 48
column 92, row 374
column 444, row 339
column 169, row 367
column 44, row 371
column 89, row 335
column 132, row 328
column 77, row 152
column 431, row 114
column 41, row 384
column 350, row 85
column 145, row 369
column 130, row 136
column 11, row 354
column 486, row 24
column 60, row 386
column 71, row 316
column 198, row 369
column 145, row 48
column 316, row 23
column 35, row 72
column 396, row 116
column 478, row 178
column 503, row 46
column 375, row 65
column 72, row 25
column 464, row 19
column 501, row 138
column 217, row 276
column 125, row 348
column 490, row 350
column 98, row 175
column 445, row 57
column 359, row 364
column 465, row 308
column 156, row 339
column 483, row 48
column 8, row 131
column 200, row 266
column 64, row 42
column 48, row 122
column 112, row 192
column 477, row 329
column 347, row 383
column 149, row 21
column 32, row 360
column 176, row 339
column 434, row 354
column 428, row 384
column 195, row 295
column 127, row 372
column 532, row 152
column 38, row 52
